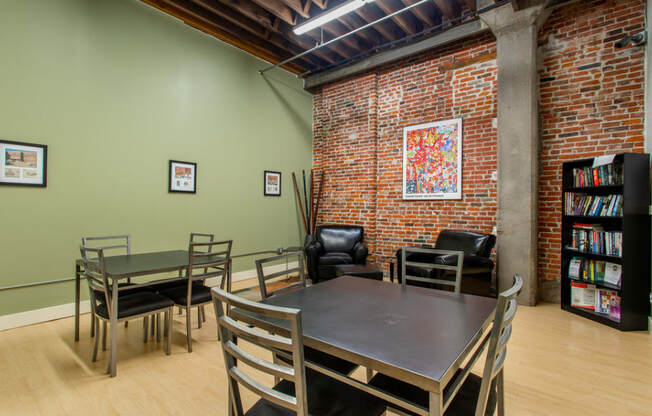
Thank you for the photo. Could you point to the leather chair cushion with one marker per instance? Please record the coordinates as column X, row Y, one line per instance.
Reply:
column 200, row 294
column 326, row 397
column 136, row 304
column 463, row 403
column 339, row 238
column 469, row 242
column 332, row 258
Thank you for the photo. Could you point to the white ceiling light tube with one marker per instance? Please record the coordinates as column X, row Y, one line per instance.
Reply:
column 333, row 14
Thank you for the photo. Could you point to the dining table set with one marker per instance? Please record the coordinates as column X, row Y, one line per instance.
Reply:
column 425, row 338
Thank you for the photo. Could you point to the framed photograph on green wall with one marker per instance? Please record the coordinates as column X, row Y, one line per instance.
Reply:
column 272, row 184
column 182, row 177
column 23, row 164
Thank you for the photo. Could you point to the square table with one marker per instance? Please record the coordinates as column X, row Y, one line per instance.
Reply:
column 132, row 265
column 417, row 335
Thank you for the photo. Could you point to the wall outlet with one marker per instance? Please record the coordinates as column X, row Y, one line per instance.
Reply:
column 494, row 176
column 494, row 230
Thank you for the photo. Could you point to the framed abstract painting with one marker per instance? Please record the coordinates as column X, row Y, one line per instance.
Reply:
column 182, row 177
column 23, row 164
column 432, row 160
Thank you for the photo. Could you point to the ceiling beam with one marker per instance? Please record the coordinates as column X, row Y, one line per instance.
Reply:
column 427, row 13
column 336, row 28
column 352, row 21
column 405, row 20
column 449, row 8
column 278, row 8
column 297, row 7
column 388, row 29
column 454, row 34
column 322, row 4
column 254, row 28
column 213, row 29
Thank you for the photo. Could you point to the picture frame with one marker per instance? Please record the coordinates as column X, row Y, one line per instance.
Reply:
column 271, row 183
column 432, row 160
column 182, row 177
column 23, row 164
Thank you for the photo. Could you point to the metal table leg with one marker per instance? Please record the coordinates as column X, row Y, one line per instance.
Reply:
column 435, row 408
column 77, row 298
column 114, row 329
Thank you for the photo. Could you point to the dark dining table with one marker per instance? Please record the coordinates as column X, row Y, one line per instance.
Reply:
column 123, row 267
column 417, row 335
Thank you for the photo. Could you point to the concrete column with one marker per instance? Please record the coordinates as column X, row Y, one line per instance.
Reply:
column 518, row 143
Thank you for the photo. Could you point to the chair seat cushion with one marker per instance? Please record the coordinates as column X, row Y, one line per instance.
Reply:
column 463, row 403
column 200, row 294
column 161, row 287
column 335, row 257
column 326, row 397
column 136, row 304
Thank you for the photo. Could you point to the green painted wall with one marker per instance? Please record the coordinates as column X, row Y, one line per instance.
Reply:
column 116, row 88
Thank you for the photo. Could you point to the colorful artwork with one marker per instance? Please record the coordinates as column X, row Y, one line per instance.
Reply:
column 182, row 177
column 23, row 163
column 432, row 160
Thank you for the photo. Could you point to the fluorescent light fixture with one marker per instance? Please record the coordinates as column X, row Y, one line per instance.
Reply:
column 332, row 14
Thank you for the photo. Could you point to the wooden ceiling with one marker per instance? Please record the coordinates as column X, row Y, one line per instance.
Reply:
column 264, row 27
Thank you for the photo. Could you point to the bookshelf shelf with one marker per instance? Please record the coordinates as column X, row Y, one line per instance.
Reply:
column 594, row 256
column 634, row 224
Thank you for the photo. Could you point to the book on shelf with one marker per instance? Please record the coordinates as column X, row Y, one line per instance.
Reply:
column 592, row 238
column 600, row 301
column 595, row 271
column 593, row 205
column 609, row 174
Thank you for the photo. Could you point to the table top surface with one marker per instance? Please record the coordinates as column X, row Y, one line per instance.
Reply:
column 147, row 263
column 417, row 333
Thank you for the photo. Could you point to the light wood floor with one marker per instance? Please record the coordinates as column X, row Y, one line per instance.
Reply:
column 557, row 364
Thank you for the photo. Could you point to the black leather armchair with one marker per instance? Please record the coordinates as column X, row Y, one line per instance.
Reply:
column 477, row 269
column 333, row 245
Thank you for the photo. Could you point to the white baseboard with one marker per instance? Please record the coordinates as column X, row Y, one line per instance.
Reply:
column 16, row 320
column 36, row 316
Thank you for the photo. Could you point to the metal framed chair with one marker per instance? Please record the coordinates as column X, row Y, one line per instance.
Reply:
column 327, row 360
column 301, row 391
column 468, row 394
column 120, row 243
column 206, row 260
column 265, row 292
column 130, row 306
column 425, row 270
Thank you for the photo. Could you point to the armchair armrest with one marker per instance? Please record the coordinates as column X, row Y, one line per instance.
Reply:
column 313, row 250
column 360, row 253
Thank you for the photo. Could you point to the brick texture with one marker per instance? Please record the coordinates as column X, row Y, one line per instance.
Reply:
column 591, row 103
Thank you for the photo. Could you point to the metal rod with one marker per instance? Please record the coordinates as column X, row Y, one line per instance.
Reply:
column 405, row 39
column 321, row 45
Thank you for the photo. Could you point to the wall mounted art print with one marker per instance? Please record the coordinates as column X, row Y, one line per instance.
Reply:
column 272, row 183
column 182, row 177
column 432, row 160
column 23, row 164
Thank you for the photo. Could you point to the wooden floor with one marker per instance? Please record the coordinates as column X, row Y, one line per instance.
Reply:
column 557, row 364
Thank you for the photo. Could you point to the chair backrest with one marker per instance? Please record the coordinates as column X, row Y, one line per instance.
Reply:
column 500, row 334
column 231, row 331
column 263, row 277
column 113, row 242
column 457, row 268
column 471, row 243
column 95, row 274
column 202, row 238
column 213, row 257
column 339, row 238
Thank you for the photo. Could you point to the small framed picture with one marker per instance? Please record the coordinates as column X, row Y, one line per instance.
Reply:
column 23, row 164
column 182, row 177
column 272, row 183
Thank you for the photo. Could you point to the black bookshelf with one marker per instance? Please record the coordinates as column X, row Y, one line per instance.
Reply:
column 634, row 223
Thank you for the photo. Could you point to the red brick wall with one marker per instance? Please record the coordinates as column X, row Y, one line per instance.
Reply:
column 592, row 101
column 358, row 125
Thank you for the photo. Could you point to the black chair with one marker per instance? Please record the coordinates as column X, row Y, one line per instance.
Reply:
column 333, row 245
column 468, row 394
column 302, row 391
column 327, row 360
column 130, row 306
column 204, row 262
column 477, row 276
